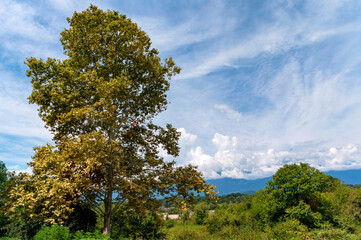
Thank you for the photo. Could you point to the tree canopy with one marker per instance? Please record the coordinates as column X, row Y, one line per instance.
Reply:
column 99, row 102
column 296, row 192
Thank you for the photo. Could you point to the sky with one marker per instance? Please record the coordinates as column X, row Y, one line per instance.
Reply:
column 263, row 83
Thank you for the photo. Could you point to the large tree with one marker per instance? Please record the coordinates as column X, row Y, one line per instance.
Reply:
column 99, row 103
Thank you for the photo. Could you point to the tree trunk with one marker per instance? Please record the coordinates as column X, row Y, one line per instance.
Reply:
column 107, row 212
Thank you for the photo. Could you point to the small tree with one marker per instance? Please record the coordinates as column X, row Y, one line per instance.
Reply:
column 99, row 103
column 296, row 190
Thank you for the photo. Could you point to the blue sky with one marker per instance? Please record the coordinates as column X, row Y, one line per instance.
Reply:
column 263, row 83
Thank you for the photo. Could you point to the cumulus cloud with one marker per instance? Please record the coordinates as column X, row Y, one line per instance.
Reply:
column 230, row 160
column 186, row 138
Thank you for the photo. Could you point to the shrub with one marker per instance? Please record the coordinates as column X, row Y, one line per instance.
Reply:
column 185, row 216
column 182, row 231
column 333, row 233
column 22, row 229
column 54, row 232
column 127, row 223
column 96, row 235
column 290, row 229
column 201, row 213
column 169, row 223
column 304, row 214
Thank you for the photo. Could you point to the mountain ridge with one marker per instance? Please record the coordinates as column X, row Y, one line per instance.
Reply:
column 233, row 185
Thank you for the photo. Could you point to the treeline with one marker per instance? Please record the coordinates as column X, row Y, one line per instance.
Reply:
column 228, row 198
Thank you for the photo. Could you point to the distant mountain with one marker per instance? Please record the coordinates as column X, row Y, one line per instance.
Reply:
column 348, row 176
column 232, row 185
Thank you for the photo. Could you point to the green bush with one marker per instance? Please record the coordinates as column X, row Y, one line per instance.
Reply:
column 54, row 232
column 290, row 229
column 182, row 231
column 127, row 223
column 200, row 213
column 304, row 214
column 96, row 235
column 169, row 223
column 22, row 229
column 185, row 216
column 333, row 233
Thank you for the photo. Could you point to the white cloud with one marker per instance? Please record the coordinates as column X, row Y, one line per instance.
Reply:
column 20, row 19
column 231, row 161
column 232, row 114
column 186, row 138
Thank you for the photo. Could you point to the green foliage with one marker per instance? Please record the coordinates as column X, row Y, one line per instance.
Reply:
column 333, row 233
column 3, row 181
column 293, row 183
column 182, row 231
column 3, row 176
column 200, row 213
column 54, row 232
column 329, row 210
column 22, row 228
column 346, row 204
column 185, row 215
column 169, row 223
column 128, row 223
column 96, row 235
column 303, row 213
column 296, row 190
column 290, row 229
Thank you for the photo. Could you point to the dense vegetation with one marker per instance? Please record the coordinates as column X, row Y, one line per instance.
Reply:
column 299, row 202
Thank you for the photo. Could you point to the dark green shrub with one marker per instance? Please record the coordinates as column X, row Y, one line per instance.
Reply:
column 169, row 223
column 127, row 223
column 333, row 233
column 290, row 229
column 3, row 181
column 200, row 213
column 185, row 216
column 22, row 229
column 54, row 232
column 304, row 214
column 96, row 235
